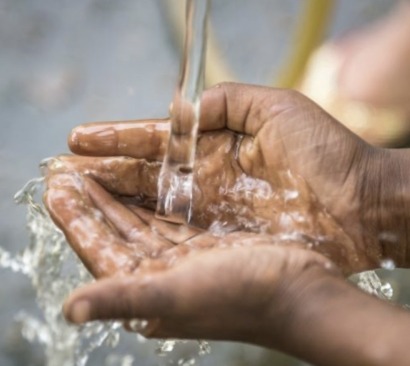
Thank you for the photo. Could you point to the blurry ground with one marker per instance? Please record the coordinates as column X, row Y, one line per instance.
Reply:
column 63, row 62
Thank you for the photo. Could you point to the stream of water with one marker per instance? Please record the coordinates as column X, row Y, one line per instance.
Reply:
column 176, row 177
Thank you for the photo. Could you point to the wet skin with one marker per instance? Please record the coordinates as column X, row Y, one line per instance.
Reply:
column 245, row 285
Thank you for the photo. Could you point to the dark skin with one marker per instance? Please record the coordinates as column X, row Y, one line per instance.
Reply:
column 248, row 284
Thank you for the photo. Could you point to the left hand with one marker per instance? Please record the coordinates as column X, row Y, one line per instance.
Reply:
column 267, row 161
column 187, row 282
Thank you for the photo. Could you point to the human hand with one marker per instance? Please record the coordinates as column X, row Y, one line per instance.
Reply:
column 187, row 282
column 240, row 287
column 175, row 286
column 267, row 160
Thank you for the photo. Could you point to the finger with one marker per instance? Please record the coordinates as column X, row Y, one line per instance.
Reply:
column 144, row 297
column 178, row 295
column 159, row 293
column 244, row 108
column 91, row 237
column 238, row 107
column 120, row 175
column 138, row 139
column 164, row 308
column 135, row 231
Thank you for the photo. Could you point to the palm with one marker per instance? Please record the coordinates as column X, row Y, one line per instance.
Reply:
column 142, row 256
column 248, row 176
column 311, row 144
column 113, row 238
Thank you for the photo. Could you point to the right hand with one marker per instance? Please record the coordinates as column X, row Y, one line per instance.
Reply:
column 267, row 160
column 247, row 133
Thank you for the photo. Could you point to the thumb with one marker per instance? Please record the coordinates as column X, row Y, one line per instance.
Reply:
column 143, row 296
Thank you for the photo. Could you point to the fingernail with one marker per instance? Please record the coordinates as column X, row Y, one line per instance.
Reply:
column 79, row 312
column 74, row 138
column 91, row 138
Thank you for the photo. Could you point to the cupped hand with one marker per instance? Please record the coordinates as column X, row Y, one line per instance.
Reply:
column 267, row 161
column 278, row 201
column 184, row 281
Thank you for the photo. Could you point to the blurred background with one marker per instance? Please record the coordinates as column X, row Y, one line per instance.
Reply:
column 66, row 62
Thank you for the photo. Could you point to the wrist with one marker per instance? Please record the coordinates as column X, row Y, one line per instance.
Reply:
column 285, row 327
column 385, row 203
column 328, row 321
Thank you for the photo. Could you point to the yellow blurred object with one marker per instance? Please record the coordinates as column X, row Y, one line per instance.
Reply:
column 314, row 20
column 386, row 127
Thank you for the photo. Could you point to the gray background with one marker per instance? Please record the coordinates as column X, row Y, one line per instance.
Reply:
column 65, row 62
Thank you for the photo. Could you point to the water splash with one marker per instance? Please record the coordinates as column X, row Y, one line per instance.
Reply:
column 371, row 283
column 164, row 347
column 388, row 264
column 167, row 347
column 55, row 271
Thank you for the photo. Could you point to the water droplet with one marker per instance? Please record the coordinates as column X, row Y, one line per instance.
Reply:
column 388, row 236
column 112, row 339
column 204, row 348
column 388, row 264
column 138, row 325
column 290, row 194
column 165, row 346
column 387, row 290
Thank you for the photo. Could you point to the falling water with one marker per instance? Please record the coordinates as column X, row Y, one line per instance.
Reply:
column 176, row 178
column 175, row 182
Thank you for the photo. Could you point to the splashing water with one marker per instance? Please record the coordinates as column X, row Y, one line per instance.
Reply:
column 167, row 346
column 55, row 271
column 371, row 283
